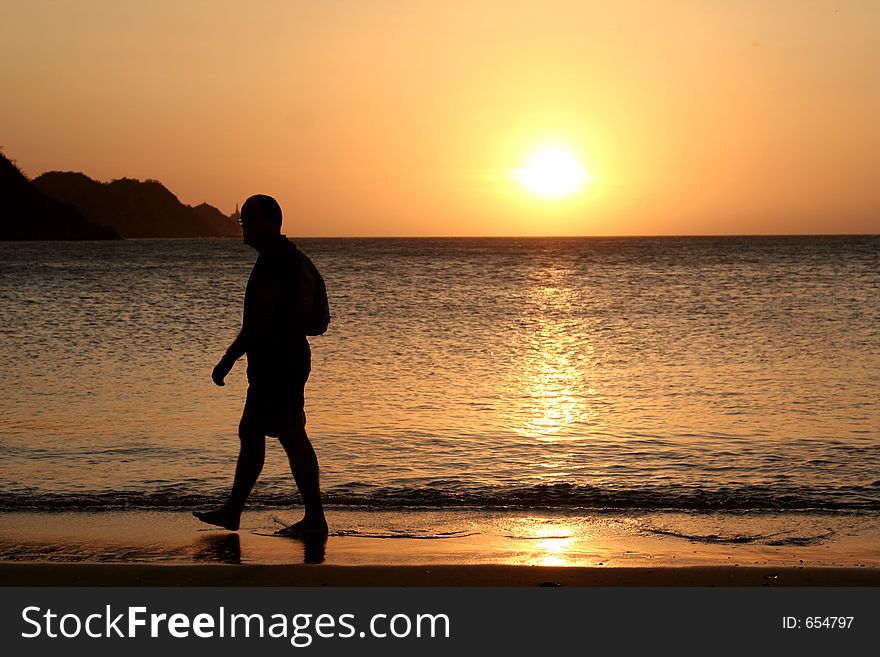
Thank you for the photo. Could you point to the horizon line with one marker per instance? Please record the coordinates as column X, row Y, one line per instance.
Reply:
column 541, row 237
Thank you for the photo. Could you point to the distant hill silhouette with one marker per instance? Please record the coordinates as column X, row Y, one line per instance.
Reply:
column 28, row 214
column 213, row 218
column 136, row 208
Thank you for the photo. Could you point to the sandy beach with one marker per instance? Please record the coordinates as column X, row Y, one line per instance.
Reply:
column 53, row 574
column 440, row 549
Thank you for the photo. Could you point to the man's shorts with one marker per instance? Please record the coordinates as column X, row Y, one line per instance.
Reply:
column 276, row 391
column 272, row 406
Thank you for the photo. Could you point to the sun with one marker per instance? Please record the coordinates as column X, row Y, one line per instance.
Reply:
column 553, row 172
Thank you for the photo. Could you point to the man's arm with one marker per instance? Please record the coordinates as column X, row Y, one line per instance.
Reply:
column 257, row 315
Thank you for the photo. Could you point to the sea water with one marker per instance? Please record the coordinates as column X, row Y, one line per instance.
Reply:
column 573, row 376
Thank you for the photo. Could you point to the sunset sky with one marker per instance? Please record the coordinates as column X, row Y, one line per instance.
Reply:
column 412, row 117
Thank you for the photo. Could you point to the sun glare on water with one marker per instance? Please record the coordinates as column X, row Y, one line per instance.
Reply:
column 553, row 173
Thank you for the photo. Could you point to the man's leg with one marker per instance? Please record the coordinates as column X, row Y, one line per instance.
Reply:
column 304, row 467
column 251, row 456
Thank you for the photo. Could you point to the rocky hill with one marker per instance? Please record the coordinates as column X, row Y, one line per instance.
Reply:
column 26, row 213
column 136, row 208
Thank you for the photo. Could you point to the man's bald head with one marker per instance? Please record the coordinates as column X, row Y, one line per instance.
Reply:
column 262, row 208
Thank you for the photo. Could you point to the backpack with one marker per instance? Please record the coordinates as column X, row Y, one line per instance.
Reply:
column 311, row 305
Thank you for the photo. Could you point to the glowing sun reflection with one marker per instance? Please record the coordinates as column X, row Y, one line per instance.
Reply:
column 549, row 544
column 555, row 551
column 555, row 361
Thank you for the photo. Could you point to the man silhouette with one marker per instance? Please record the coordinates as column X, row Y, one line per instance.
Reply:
column 279, row 361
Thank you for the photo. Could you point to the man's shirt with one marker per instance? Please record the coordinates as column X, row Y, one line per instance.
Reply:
column 277, row 348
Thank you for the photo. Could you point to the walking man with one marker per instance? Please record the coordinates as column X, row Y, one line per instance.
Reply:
column 284, row 301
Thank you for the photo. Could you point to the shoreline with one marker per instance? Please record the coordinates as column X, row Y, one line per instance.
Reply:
column 437, row 549
column 35, row 574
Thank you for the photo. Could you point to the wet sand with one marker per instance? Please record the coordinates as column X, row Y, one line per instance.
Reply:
column 437, row 548
column 53, row 574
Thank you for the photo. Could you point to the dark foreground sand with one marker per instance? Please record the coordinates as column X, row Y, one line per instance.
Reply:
column 71, row 574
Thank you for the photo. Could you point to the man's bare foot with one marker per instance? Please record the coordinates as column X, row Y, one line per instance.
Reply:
column 305, row 529
column 220, row 517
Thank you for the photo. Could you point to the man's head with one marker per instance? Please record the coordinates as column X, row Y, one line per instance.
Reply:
column 260, row 220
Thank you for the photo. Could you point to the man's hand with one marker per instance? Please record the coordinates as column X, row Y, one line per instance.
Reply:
column 221, row 369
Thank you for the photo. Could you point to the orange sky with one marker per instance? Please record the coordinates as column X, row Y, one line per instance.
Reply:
column 372, row 117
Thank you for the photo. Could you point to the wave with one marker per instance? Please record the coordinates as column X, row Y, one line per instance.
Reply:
column 453, row 494
column 778, row 539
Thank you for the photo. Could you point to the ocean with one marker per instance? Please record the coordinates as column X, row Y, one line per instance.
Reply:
column 581, row 375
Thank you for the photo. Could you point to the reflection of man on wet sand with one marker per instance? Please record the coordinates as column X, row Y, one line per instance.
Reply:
column 276, row 320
